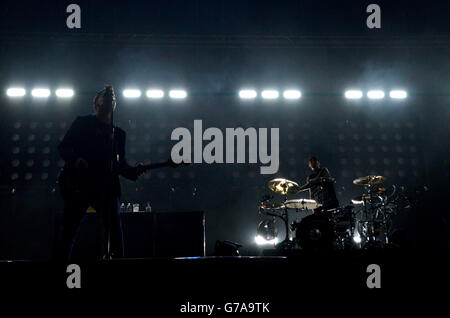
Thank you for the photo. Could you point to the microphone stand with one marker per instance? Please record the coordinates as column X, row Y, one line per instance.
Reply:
column 109, row 194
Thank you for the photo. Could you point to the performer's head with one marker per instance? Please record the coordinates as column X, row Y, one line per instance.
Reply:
column 313, row 163
column 100, row 107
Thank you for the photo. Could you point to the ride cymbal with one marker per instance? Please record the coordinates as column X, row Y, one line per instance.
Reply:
column 369, row 180
column 283, row 186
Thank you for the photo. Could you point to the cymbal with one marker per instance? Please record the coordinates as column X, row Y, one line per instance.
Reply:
column 283, row 186
column 369, row 180
column 302, row 204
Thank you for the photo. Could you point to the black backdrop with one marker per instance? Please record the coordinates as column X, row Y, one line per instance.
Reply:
column 407, row 141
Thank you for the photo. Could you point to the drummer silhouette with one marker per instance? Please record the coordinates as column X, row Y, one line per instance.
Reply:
column 321, row 186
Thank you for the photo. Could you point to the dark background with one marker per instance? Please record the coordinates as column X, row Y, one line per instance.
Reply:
column 212, row 49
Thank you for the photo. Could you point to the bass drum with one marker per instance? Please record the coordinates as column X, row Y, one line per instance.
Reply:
column 314, row 232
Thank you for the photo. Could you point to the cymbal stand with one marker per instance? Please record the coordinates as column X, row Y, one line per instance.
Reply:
column 286, row 243
column 370, row 213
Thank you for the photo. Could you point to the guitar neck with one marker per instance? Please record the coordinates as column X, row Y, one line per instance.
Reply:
column 156, row 165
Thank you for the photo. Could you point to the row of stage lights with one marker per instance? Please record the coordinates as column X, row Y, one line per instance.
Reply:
column 68, row 93
column 246, row 94
column 295, row 94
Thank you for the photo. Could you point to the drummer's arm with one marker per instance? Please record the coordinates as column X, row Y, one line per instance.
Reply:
column 306, row 186
column 324, row 173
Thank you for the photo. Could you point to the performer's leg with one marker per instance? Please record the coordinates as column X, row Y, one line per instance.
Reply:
column 113, row 210
column 117, row 244
column 74, row 211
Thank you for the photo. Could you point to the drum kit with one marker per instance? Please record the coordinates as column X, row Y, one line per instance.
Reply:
column 363, row 224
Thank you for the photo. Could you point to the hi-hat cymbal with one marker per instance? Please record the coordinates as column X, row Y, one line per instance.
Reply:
column 369, row 180
column 283, row 186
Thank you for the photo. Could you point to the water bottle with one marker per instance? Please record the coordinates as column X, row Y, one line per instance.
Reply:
column 129, row 207
column 122, row 208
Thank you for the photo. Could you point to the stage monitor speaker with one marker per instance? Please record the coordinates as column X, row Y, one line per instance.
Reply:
column 154, row 234
column 138, row 234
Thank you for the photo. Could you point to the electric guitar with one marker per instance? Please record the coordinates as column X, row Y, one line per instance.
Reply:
column 73, row 181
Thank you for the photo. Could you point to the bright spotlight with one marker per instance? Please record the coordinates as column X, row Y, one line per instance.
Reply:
column 357, row 238
column 353, row 94
column 398, row 94
column 155, row 93
column 261, row 241
column 375, row 94
column 131, row 93
column 247, row 94
column 292, row 94
column 270, row 94
column 177, row 94
column 267, row 232
column 64, row 92
column 15, row 92
column 40, row 92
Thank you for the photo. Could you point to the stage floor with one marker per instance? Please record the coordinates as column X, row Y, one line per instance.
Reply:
column 255, row 275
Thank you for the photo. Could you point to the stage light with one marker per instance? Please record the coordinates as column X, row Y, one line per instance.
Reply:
column 353, row 94
column 155, row 93
column 15, row 92
column 270, row 94
column 40, row 92
column 398, row 94
column 375, row 94
column 247, row 94
column 292, row 94
column 177, row 94
column 261, row 241
column 64, row 92
column 267, row 232
column 131, row 93
column 357, row 238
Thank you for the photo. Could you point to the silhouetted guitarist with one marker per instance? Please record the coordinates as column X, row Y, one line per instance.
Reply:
column 87, row 178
